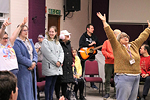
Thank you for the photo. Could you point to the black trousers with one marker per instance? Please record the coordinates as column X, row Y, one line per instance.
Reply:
column 59, row 85
column 79, row 86
column 146, row 85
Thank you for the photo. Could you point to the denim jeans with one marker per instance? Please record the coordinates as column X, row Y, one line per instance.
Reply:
column 126, row 86
column 49, row 87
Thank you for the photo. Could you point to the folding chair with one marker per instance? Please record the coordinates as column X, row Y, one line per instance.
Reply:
column 91, row 68
column 40, row 78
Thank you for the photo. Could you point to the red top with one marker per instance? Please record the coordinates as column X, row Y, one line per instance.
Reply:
column 108, row 52
column 145, row 65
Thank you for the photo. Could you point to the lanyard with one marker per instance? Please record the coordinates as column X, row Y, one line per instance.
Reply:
column 129, row 52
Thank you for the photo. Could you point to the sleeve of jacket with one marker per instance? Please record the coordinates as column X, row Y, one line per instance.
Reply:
column 47, row 53
column 78, row 65
column 143, row 71
column 104, row 51
column 61, row 54
column 21, row 58
column 110, row 35
column 35, row 56
column 82, row 42
column 142, row 37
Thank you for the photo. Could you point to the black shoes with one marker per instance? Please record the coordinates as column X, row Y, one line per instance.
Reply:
column 107, row 96
column 82, row 98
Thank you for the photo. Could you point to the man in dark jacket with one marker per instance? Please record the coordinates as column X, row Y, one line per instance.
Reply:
column 88, row 39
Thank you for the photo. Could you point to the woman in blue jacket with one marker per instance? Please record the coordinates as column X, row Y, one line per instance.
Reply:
column 27, row 58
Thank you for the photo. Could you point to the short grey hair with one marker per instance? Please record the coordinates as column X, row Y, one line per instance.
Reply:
column 122, row 34
column 116, row 31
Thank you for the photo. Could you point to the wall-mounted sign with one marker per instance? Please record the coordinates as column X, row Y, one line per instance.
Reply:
column 54, row 11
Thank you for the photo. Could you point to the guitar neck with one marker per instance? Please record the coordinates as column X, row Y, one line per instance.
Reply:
column 98, row 47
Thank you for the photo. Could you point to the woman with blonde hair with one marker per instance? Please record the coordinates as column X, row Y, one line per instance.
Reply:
column 27, row 59
column 53, row 57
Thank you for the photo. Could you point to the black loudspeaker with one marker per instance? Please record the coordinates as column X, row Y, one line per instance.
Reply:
column 72, row 5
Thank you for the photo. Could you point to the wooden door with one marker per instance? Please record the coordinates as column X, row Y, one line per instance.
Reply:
column 54, row 20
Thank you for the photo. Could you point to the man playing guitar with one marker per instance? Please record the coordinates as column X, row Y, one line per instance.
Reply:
column 88, row 39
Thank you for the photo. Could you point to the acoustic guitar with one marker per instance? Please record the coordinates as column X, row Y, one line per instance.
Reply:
column 87, row 52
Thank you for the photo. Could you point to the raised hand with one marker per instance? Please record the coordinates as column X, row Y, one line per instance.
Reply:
column 103, row 18
column 24, row 22
column 148, row 23
column 6, row 23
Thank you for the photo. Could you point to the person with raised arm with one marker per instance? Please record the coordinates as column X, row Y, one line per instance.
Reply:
column 7, row 53
column 3, row 27
column 27, row 59
column 126, row 60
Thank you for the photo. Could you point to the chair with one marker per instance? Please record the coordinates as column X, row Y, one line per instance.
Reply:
column 91, row 68
column 40, row 79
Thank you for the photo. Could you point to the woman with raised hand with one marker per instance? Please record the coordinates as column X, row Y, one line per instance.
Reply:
column 3, row 27
column 27, row 58
column 53, row 57
column 7, row 53
column 126, row 60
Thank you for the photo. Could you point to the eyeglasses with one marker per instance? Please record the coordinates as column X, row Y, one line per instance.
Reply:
column 123, row 37
column 25, row 30
column 5, row 38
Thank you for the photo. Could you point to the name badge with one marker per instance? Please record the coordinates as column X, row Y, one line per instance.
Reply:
column 132, row 61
